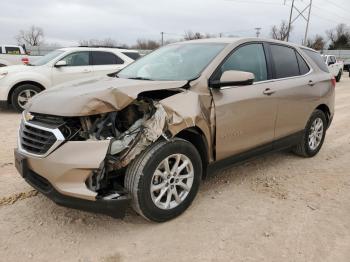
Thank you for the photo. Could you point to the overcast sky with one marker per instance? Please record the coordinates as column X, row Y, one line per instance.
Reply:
column 68, row 21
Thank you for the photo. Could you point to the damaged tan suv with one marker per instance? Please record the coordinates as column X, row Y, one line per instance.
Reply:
column 147, row 135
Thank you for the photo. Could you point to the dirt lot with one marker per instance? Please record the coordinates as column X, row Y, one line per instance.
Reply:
column 276, row 208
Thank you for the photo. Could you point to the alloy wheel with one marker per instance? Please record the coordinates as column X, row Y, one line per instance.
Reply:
column 172, row 181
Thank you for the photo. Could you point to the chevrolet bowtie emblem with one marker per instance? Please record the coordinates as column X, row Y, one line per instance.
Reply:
column 28, row 116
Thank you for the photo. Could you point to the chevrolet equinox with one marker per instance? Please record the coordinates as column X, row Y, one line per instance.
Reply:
column 147, row 134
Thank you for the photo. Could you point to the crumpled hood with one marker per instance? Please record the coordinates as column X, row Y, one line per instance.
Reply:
column 95, row 96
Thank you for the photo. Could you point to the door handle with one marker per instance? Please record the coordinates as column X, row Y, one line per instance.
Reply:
column 311, row 83
column 268, row 91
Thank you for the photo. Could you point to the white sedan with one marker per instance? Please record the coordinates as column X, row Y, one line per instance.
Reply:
column 19, row 83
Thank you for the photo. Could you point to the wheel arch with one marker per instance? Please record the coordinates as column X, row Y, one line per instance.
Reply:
column 23, row 83
column 196, row 137
column 325, row 109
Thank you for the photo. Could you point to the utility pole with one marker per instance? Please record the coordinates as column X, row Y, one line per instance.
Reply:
column 162, row 34
column 302, row 15
column 257, row 31
column 307, row 23
column 290, row 18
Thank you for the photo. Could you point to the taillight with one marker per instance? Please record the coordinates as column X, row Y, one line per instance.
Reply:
column 333, row 81
column 25, row 60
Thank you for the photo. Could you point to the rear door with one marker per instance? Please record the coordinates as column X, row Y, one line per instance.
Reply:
column 296, row 91
column 245, row 115
column 106, row 62
column 78, row 66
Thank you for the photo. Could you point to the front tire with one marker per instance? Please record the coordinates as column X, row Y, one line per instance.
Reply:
column 338, row 77
column 22, row 94
column 164, row 179
column 314, row 135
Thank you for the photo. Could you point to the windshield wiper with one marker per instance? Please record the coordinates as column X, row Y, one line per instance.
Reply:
column 140, row 78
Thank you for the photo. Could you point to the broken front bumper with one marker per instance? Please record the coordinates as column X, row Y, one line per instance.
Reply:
column 61, row 176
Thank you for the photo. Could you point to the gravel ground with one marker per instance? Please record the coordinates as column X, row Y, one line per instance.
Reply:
column 275, row 208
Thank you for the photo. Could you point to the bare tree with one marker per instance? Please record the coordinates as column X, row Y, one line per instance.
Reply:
column 281, row 32
column 339, row 37
column 34, row 36
column 145, row 44
column 317, row 43
column 189, row 35
column 109, row 42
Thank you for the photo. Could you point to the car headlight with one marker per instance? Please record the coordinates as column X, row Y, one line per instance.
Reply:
column 3, row 74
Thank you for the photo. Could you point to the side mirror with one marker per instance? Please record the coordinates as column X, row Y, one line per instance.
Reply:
column 61, row 63
column 234, row 78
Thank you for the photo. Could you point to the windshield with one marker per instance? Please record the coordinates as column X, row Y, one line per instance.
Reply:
column 47, row 58
column 173, row 62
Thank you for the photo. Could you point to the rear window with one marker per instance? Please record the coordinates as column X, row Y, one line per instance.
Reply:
column 285, row 60
column 316, row 57
column 12, row 50
column 105, row 58
column 132, row 55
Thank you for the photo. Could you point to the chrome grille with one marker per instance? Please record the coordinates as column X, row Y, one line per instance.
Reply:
column 35, row 140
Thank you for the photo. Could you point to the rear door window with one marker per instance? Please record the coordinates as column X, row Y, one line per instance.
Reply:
column 316, row 57
column 285, row 61
column 12, row 50
column 132, row 55
column 105, row 58
column 248, row 58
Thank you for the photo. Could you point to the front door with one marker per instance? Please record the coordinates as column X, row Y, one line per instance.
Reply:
column 78, row 67
column 245, row 115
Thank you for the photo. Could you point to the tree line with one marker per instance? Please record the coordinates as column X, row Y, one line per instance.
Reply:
column 338, row 38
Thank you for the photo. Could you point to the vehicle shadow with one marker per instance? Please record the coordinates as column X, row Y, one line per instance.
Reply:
column 5, row 109
column 225, row 178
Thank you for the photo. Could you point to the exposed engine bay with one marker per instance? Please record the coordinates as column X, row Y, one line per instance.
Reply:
column 130, row 131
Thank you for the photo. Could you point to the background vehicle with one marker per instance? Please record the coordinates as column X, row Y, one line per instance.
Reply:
column 335, row 67
column 148, row 135
column 14, row 55
column 20, row 83
column 347, row 65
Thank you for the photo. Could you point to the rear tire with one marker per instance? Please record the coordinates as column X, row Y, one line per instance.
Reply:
column 151, row 185
column 22, row 94
column 314, row 135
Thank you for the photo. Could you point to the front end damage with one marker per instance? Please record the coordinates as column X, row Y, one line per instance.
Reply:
column 85, row 170
column 129, row 132
column 100, row 131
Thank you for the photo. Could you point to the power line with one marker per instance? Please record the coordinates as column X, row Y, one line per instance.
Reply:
column 320, row 8
column 336, row 5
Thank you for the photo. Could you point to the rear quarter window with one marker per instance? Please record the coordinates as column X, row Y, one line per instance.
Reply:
column 318, row 60
column 304, row 68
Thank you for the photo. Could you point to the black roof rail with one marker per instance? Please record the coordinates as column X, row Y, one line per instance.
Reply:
column 102, row 46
